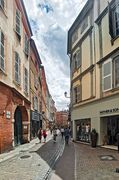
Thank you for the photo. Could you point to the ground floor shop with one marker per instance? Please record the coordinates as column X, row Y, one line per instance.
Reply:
column 35, row 123
column 102, row 115
column 14, row 118
column 83, row 130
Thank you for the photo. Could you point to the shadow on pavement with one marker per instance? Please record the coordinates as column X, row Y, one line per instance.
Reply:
column 65, row 167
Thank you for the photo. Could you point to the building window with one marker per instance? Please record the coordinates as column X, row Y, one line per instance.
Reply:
column 35, row 82
column 84, row 25
column 107, row 75
column 77, row 94
column 25, row 80
column 77, row 60
column 17, row 68
column 26, row 45
column 114, row 20
column 2, row 58
column 35, row 103
column 116, row 71
column 74, row 36
column 18, row 22
column 2, row 4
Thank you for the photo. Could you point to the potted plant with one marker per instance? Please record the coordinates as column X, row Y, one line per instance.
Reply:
column 94, row 136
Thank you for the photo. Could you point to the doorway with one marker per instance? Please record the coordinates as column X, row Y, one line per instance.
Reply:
column 18, row 127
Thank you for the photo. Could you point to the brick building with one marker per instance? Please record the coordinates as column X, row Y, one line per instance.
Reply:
column 61, row 118
column 15, row 33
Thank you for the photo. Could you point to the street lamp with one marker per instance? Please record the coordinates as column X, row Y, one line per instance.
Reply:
column 65, row 94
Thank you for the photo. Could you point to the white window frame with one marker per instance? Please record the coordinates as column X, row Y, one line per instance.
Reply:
column 17, row 73
column 2, row 58
column 109, row 75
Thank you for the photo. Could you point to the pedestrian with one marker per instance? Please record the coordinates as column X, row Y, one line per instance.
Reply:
column 118, row 141
column 66, row 134
column 39, row 134
column 44, row 135
column 54, row 134
column 51, row 130
column 62, row 131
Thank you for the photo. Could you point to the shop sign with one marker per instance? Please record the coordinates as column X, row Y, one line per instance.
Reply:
column 109, row 111
column 8, row 115
column 34, row 115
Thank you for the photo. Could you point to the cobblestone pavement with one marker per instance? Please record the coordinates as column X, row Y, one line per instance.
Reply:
column 90, row 166
column 32, row 164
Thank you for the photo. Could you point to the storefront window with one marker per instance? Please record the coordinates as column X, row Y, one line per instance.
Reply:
column 83, row 130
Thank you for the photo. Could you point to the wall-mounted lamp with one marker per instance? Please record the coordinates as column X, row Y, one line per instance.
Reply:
column 65, row 94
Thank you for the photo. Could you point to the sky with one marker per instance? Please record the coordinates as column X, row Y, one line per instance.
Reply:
column 50, row 21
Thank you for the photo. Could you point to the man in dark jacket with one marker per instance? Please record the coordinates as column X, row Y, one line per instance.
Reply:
column 118, row 141
column 66, row 134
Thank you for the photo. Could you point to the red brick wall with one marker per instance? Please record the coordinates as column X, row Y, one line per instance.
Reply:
column 5, row 124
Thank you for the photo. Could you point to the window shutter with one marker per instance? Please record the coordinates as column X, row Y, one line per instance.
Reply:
column 78, row 59
column 26, row 45
column 107, row 75
column 18, row 22
column 26, row 80
column 2, row 49
column 116, row 71
column 19, row 70
column 78, row 93
column 110, row 17
column 2, row 4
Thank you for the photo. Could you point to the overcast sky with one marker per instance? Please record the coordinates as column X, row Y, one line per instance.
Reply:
column 50, row 21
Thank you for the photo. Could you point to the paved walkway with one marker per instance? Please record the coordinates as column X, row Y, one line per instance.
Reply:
column 96, row 163
column 32, row 163
column 90, row 163
column 24, row 147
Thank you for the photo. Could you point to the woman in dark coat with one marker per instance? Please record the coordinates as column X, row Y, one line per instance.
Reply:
column 40, row 134
column 44, row 135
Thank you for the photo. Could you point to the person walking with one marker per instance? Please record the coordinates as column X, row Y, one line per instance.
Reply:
column 118, row 141
column 66, row 134
column 44, row 135
column 54, row 134
column 39, row 134
column 62, row 131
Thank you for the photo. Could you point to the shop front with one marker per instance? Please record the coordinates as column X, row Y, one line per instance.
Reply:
column 110, row 128
column 83, row 127
column 36, row 123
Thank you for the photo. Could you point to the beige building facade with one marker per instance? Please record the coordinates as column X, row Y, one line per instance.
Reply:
column 94, row 60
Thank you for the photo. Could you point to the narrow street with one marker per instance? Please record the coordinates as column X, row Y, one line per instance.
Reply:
column 57, row 161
